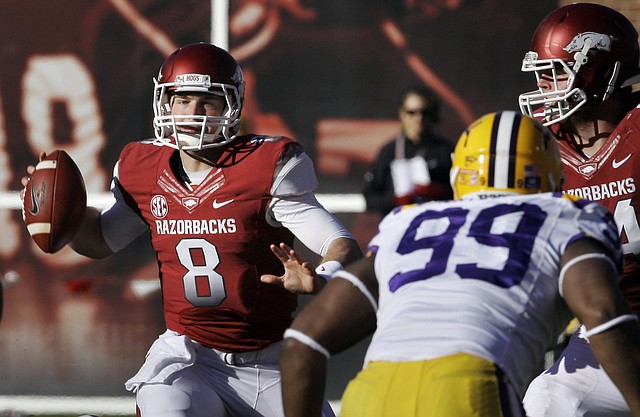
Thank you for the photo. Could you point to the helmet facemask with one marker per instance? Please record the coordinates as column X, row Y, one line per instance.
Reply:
column 557, row 104
column 595, row 49
column 213, row 131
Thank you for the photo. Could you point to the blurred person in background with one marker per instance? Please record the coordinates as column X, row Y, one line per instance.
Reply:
column 414, row 166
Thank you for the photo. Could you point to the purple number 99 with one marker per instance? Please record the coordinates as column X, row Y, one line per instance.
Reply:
column 526, row 221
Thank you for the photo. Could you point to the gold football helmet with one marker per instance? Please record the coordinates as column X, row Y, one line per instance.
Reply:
column 506, row 152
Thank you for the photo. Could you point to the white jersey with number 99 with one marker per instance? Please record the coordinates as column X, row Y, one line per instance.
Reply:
column 462, row 276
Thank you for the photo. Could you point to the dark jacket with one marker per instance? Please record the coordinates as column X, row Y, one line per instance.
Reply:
column 378, row 190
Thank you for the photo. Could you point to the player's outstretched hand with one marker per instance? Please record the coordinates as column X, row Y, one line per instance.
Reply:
column 299, row 276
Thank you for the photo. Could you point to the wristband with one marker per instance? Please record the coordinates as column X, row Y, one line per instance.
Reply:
column 325, row 270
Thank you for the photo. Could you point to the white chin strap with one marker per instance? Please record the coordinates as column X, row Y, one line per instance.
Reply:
column 189, row 141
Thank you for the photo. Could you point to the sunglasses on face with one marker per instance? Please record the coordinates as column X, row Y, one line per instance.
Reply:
column 414, row 112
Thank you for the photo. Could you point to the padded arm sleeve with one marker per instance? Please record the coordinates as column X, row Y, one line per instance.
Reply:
column 295, row 207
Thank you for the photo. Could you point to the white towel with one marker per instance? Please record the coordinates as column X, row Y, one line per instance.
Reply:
column 409, row 173
column 170, row 353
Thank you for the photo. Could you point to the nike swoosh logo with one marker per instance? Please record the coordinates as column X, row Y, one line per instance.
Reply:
column 617, row 164
column 217, row 205
column 35, row 207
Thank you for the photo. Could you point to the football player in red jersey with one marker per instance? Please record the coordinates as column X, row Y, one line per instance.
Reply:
column 585, row 58
column 223, row 210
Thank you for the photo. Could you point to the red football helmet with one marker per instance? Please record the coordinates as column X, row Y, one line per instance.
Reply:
column 594, row 45
column 200, row 68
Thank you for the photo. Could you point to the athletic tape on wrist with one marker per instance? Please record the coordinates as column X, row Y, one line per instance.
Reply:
column 327, row 269
column 359, row 285
column 304, row 339
column 581, row 258
column 611, row 323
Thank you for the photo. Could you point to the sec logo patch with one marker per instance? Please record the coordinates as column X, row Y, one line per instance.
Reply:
column 159, row 206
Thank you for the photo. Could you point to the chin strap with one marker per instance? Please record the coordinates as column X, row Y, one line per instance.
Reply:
column 612, row 81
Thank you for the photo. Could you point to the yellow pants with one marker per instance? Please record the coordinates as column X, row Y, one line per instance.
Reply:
column 459, row 385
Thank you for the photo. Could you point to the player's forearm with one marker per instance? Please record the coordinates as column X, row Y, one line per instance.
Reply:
column 303, row 374
column 89, row 240
column 343, row 250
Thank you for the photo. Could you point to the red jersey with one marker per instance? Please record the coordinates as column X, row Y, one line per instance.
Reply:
column 212, row 243
column 609, row 177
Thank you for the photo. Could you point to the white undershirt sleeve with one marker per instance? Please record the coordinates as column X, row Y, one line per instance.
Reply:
column 295, row 207
column 294, row 175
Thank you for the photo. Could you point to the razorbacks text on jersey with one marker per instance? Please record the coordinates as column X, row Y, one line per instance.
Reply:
column 609, row 177
column 462, row 276
column 212, row 242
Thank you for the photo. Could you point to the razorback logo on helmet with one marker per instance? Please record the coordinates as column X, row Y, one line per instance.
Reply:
column 599, row 41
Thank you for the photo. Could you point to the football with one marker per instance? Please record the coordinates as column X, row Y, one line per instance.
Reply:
column 55, row 200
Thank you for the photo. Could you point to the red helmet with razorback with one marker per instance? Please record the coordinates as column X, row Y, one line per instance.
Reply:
column 594, row 45
column 198, row 68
